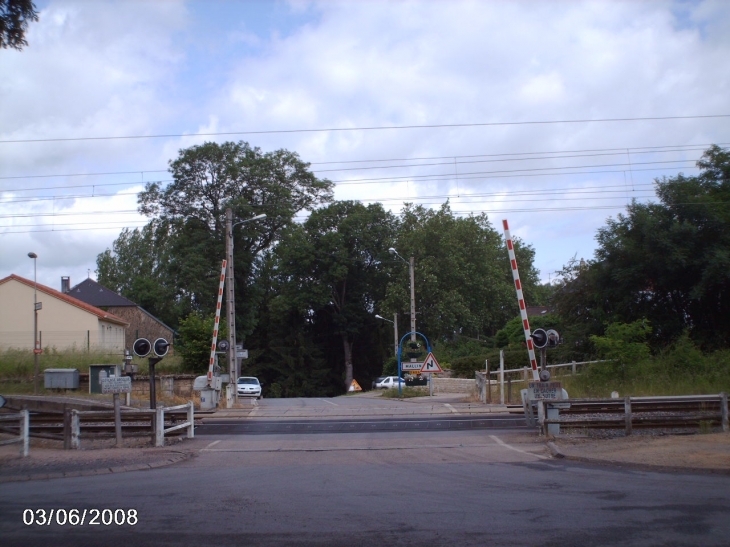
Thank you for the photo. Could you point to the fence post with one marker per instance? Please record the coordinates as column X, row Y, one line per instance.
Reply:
column 75, row 430
column 627, row 411
column 509, row 390
column 489, row 385
column 191, row 420
column 574, row 368
column 160, row 426
column 24, row 432
column 723, row 411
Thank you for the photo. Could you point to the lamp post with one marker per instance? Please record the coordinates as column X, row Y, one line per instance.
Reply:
column 231, row 300
column 36, row 345
column 395, row 329
column 411, row 267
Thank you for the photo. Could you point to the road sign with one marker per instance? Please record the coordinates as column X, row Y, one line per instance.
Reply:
column 431, row 364
column 354, row 386
column 116, row 384
column 37, row 351
column 544, row 390
column 407, row 365
column 242, row 353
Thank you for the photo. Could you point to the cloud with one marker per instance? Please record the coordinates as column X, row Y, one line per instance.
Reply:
column 135, row 68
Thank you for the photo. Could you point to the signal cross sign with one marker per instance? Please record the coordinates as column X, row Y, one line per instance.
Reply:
column 431, row 364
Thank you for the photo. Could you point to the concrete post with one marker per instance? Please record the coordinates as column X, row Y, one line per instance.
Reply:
column 723, row 412
column 24, row 433
column 75, row 430
column 160, row 426
column 191, row 420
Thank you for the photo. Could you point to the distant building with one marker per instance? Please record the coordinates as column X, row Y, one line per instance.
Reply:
column 142, row 324
column 537, row 311
column 64, row 322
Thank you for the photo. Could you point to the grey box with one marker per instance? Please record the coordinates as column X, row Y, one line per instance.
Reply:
column 61, row 378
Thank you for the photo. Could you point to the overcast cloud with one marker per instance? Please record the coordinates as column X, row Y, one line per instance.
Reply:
column 99, row 69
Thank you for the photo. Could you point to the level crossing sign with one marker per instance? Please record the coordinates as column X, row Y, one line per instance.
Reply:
column 431, row 364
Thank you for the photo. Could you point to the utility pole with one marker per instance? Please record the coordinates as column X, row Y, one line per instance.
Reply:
column 231, row 296
column 412, row 266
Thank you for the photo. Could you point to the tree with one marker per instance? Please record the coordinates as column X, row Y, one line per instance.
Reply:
column 668, row 261
column 196, row 334
column 333, row 265
column 15, row 15
column 185, row 238
column 463, row 279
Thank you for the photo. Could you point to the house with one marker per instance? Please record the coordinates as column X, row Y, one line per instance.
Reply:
column 142, row 324
column 64, row 322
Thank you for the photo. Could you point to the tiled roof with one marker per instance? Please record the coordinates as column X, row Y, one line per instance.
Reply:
column 101, row 314
column 93, row 293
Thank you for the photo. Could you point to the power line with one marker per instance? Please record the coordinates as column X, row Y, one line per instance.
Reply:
column 583, row 153
column 365, row 128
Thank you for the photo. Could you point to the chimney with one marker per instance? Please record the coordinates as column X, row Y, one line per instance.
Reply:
column 65, row 284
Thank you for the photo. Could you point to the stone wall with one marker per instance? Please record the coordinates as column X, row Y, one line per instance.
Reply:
column 454, row 385
column 182, row 385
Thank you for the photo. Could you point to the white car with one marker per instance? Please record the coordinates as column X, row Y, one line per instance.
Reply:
column 248, row 386
column 389, row 381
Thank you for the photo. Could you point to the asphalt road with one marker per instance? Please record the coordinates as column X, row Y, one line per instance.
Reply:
column 416, row 488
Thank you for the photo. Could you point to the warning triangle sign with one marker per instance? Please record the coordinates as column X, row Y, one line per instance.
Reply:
column 354, row 386
column 431, row 364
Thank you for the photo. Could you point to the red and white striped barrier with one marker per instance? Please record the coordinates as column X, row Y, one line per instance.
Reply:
column 217, row 322
column 521, row 301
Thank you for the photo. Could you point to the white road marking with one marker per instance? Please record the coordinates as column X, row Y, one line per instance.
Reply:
column 502, row 443
column 330, row 402
column 211, row 445
column 451, row 408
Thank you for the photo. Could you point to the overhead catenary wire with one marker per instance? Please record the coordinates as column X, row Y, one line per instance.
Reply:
column 365, row 128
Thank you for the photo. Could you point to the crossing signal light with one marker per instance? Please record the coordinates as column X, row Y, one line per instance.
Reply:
column 142, row 347
column 539, row 338
column 161, row 347
column 553, row 338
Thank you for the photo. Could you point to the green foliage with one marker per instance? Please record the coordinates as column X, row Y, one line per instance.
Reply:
column 171, row 267
column 668, row 262
column 195, row 337
column 679, row 369
column 14, row 18
column 624, row 343
column 463, row 280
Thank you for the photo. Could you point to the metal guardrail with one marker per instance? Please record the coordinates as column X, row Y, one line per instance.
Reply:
column 23, row 431
column 74, row 425
column 635, row 412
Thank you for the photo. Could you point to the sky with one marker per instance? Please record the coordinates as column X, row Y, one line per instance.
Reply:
column 553, row 115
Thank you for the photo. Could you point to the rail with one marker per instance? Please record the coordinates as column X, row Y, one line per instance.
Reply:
column 635, row 412
column 23, row 438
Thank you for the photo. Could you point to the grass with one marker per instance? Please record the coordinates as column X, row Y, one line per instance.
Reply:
column 18, row 365
column 407, row 393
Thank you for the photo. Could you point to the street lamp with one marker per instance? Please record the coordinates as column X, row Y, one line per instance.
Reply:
column 36, row 344
column 231, row 301
column 395, row 329
column 411, row 267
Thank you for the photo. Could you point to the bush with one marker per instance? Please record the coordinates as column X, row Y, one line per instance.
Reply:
column 196, row 334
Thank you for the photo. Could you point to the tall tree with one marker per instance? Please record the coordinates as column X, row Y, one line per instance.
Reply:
column 334, row 267
column 188, row 220
column 668, row 261
column 463, row 281
column 15, row 15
